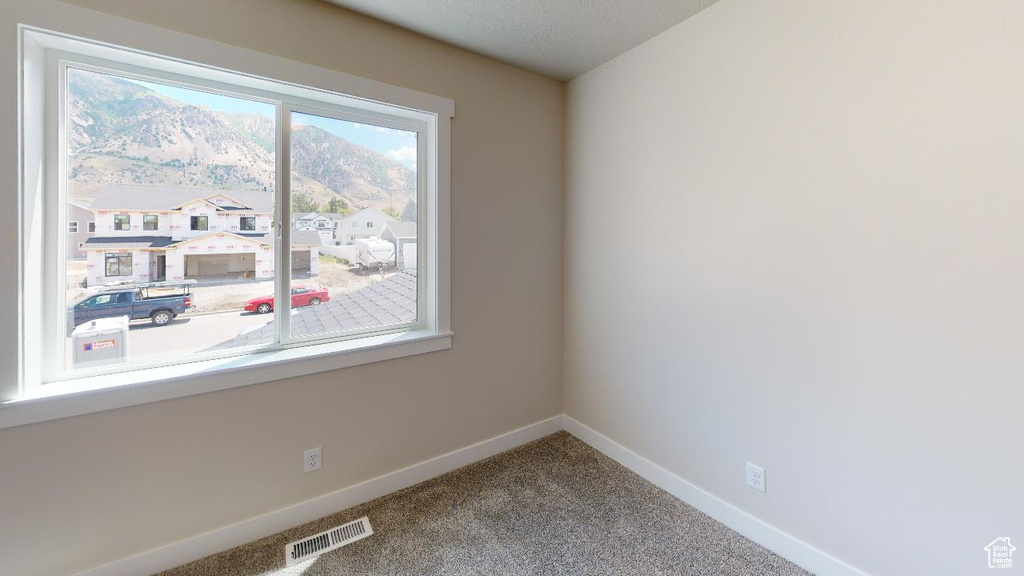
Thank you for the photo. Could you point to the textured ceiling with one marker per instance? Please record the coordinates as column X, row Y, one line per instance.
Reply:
column 557, row 38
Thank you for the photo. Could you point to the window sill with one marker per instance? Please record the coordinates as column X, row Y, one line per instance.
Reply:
column 99, row 393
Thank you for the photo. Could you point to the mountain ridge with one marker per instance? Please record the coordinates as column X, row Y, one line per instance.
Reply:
column 125, row 133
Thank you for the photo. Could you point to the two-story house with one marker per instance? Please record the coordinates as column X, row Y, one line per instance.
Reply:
column 362, row 224
column 154, row 233
column 326, row 224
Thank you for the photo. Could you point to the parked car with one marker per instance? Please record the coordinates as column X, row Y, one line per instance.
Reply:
column 301, row 296
column 135, row 302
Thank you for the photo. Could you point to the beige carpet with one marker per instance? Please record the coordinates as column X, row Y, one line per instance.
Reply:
column 555, row 506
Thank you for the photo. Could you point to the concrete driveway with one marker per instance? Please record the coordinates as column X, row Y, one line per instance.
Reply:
column 186, row 334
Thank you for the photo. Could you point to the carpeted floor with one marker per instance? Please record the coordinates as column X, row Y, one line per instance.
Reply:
column 554, row 506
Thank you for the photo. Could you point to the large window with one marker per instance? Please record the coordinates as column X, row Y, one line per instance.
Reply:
column 118, row 264
column 165, row 155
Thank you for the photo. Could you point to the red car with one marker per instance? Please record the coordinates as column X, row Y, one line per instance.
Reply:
column 300, row 297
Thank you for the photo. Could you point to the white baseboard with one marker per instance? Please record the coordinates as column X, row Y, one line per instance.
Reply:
column 783, row 544
column 197, row 547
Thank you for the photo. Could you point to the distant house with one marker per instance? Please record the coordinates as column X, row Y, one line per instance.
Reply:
column 326, row 224
column 401, row 234
column 363, row 224
column 313, row 221
column 80, row 227
column 155, row 233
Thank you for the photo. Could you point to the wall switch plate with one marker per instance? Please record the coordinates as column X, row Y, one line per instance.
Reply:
column 755, row 477
column 312, row 460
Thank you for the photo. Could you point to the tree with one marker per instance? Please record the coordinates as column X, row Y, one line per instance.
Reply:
column 302, row 202
column 337, row 205
column 390, row 211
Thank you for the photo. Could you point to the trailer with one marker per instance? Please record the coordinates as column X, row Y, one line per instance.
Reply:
column 374, row 253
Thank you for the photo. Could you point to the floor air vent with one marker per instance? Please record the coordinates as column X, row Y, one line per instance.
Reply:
column 327, row 540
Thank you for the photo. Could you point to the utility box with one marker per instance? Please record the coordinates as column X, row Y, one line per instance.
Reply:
column 100, row 342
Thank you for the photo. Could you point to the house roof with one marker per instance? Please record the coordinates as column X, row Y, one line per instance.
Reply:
column 409, row 213
column 402, row 229
column 127, row 242
column 144, row 197
column 299, row 238
column 388, row 302
column 357, row 213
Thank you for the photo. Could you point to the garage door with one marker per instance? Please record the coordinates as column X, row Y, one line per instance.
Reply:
column 206, row 265
column 300, row 260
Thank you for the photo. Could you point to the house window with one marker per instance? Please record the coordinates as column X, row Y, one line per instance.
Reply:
column 72, row 227
column 118, row 264
column 92, row 227
column 355, row 224
column 408, row 306
column 369, row 224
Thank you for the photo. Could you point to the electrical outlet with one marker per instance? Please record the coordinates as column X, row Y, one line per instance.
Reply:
column 755, row 477
column 312, row 460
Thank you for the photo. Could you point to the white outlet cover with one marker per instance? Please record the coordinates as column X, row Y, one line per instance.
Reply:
column 312, row 459
column 756, row 477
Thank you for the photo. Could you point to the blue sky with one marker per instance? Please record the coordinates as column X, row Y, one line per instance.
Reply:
column 398, row 145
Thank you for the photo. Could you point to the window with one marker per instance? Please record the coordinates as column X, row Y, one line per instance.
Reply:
column 355, row 224
column 119, row 264
column 92, row 227
column 279, row 129
column 97, row 301
column 72, row 227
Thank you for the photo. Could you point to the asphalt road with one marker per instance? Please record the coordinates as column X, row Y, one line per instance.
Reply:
column 187, row 333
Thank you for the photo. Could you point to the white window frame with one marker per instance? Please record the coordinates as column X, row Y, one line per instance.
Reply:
column 72, row 224
column 92, row 227
column 51, row 28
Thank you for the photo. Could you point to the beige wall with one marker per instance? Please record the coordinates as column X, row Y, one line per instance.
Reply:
column 115, row 483
column 829, row 279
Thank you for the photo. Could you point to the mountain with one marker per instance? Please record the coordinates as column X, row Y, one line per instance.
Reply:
column 125, row 133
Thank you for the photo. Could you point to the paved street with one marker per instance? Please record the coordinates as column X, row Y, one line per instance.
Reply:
column 187, row 333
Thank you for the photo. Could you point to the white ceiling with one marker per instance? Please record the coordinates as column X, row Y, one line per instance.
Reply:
column 560, row 39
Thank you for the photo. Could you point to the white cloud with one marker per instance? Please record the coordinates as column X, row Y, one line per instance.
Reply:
column 406, row 155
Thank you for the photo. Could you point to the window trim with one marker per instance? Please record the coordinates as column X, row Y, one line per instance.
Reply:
column 127, row 223
column 241, row 223
column 156, row 217
column 199, row 218
column 128, row 388
column 72, row 224
column 117, row 256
